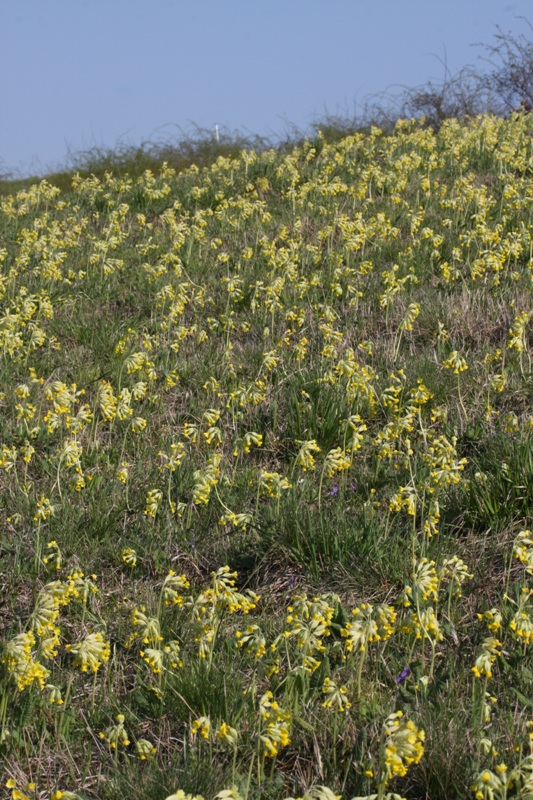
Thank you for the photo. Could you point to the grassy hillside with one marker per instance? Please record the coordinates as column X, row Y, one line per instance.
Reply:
column 266, row 474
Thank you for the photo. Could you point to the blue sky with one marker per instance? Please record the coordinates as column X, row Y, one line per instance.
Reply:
column 80, row 73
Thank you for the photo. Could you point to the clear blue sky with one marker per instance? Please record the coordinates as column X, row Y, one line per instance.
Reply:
column 79, row 73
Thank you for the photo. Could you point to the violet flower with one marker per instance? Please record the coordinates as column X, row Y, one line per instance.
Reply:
column 402, row 677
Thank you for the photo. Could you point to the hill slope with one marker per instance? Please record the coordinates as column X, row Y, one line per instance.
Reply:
column 266, row 472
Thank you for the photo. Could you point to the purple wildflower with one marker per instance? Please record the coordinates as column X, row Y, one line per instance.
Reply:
column 404, row 674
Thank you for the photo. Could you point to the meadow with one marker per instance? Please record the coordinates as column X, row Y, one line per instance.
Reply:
column 266, row 474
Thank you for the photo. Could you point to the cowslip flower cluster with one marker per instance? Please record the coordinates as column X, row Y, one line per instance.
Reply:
column 369, row 624
column 222, row 597
column 335, row 696
column 25, row 651
column 308, row 623
column 276, row 725
column 91, row 653
column 522, row 622
column 491, row 649
column 523, row 550
column 116, row 735
column 403, row 745
column 21, row 663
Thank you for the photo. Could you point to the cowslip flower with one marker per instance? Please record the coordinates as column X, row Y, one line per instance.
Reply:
column 335, row 696
column 54, row 694
column 91, row 653
column 202, row 725
column 522, row 621
column 172, row 585
column 145, row 749
column 455, row 572
column 403, row 745
column 153, row 500
column 305, row 458
column 227, row 734
column 455, row 362
column 276, row 733
column 252, row 640
column 492, row 618
column 116, row 735
column 129, row 556
column 517, row 333
column 488, row 785
column 21, row 664
column 491, row 648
